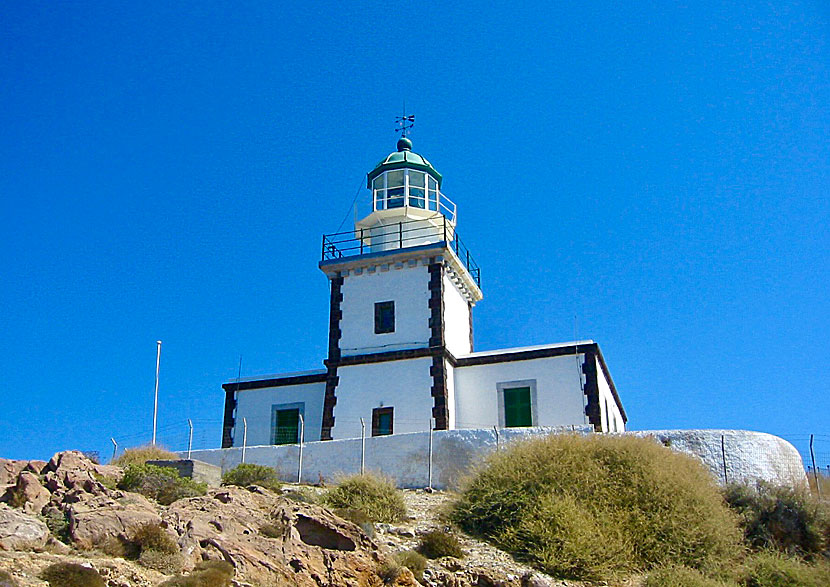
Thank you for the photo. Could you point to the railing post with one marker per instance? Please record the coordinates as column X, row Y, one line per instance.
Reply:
column 468, row 259
column 445, row 229
column 400, row 235
column 361, row 241
column 302, row 439
column 323, row 250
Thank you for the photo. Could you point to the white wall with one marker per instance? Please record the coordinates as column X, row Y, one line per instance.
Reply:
column 407, row 286
column 451, row 400
column 404, row 385
column 456, row 319
column 611, row 417
column 256, row 405
column 558, row 391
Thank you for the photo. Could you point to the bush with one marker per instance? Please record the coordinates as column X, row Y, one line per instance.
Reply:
column 773, row 569
column 358, row 518
column 160, row 483
column 58, row 524
column 672, row 576
column 6, row 580
column 141, row 454
column 823, row 485
column 205, row 574
column 247, row 474
column 413, row 561
column 602, row 506
column 167, row 563
column 437, row 544
column 272, row 530
column 789, row 520
column 153, row 537
column 72, row 575
column 375, row 496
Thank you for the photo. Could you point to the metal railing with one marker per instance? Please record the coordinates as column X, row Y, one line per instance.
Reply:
column 399, row 235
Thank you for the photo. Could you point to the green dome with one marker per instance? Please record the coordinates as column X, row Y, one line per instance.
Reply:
column 403, row 158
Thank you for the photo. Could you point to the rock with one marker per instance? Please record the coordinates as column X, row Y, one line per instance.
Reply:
column 534, row 579
column 35, row 467
column 117, row 515
column 9, row 470
column 20, row 531
column 30, row 493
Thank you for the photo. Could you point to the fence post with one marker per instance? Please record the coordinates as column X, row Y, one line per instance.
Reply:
column 429, row 486
column 244, row 437
column 496, row 430
column 400, row 235
column 723, row 456
column 302, row 438
column 114, row 449
column 189, row 438
column 362, row 446
column 815, row 471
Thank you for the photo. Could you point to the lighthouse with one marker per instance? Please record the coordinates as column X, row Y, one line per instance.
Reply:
column 403, row 286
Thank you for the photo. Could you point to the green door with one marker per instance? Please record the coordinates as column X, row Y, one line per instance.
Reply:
column 517, row 407
column 287, row 426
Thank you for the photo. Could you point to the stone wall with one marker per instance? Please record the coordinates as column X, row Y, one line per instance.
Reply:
column 405, row 457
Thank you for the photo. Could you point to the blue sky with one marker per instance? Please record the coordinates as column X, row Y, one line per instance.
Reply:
column 661, row 173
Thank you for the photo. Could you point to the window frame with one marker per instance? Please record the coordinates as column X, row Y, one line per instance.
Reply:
column 376, row 415
column 299, row 406
column 379, row 324
column 534, row 412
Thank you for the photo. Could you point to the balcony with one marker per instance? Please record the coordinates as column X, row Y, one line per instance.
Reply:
column 436, row 230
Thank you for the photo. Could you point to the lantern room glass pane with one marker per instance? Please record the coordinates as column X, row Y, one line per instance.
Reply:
column 395, row 178
column 433, row 185
column 395, row 198
column 416, row 179
column 378, row 183
column 433, row 200
column 379, row 196
column 416, row 197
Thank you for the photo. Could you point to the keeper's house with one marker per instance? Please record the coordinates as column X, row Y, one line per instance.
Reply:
column 400, row 354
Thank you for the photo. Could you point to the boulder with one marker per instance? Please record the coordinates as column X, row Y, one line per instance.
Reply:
column 119, row 514
column 20, row 531
column 9, row 470
column 30, row 494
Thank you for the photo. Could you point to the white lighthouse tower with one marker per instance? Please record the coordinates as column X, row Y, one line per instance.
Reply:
column 402, row 291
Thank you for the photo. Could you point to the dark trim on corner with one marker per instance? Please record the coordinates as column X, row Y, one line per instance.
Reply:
column 229, row 419
column 470, row 309
column 610, row 381
column 440, row 398
column 591, row 389
column 335, row 316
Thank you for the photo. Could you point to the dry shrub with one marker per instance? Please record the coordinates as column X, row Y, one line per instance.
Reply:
column 153, row 537
column 167, row 563
column 205, row 574
column 141, row 454
column 773, row 569
column 72, row 575
column 413, row 561
column 272, row 530
column 820, row 486
column 437, row 544
column 374, row 496
column 247, row 474
column 160, row 483
column 6, row 580
column 781, row 518
column 599, row 507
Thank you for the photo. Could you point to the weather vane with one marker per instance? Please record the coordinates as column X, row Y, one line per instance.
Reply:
column 405, row 122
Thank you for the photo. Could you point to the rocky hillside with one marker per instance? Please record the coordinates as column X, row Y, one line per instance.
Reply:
column 68, row 510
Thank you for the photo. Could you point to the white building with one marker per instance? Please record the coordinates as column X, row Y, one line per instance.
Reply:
column 403, row 288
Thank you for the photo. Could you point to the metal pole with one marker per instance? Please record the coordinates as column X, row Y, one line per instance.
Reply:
column 361, row 241
column 190, row 438
column 400, row 235
column 244, row 437
column 156, row 395
column 114, row 449
column 815, row 471
column 496, row 430
column 429, row 486
column 362, row 446
column 302, row 438
column 723, row 456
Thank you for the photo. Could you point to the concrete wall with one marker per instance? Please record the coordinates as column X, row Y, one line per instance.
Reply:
column 456, row 319
column 256, row 406
column 611, row 417
column 403, row 385
column 404, row 458
column 558, row 391
column 407, row 286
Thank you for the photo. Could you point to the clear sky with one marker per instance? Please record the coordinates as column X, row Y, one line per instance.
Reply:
column 659, row 171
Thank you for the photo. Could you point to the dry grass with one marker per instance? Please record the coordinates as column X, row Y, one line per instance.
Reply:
column 247, row 474
column 205, row 574
column 141, row 454
column 160, row 483
column 599, row 507
column 72, row 575
column 773, row 569
column 374, row 496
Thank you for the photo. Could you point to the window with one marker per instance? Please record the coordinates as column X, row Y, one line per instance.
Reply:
column 384, row 317
column 517, row 403
column 382, row 421
column 285, row 423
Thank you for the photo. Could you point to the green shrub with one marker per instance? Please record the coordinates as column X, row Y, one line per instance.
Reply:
column 390, row 570
column 786, row 519
column 598, row 507
column 413, row 561
column 437, row 544
column 773, row 569
column 153, row 537
column 272, row 530
column 160, row 483
column 672, row 576
column 72, row 575
column 375, row 496
column 205, row 574
column 58, row 525
column 141, row 454
column 247, row 474
column 167, row 563
column 358, row 518
column 6, row 580
column 301, row 494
